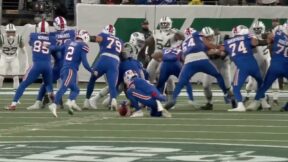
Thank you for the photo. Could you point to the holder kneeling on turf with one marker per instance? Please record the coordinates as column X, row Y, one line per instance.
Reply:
column 141, row 91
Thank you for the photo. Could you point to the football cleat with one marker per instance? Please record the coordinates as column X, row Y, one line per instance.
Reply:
column 53, row 109
column 240, row 108
column 136, row 114
column 86, row 104
column 254, row 105
column 208, row 106
column 93, row 103
column 166, row 113
column 36, row 106
column 45, row 101
column 194, row 104
column 170, row 104
column 285, row 108
column 265, row 105
column 113, row 104
column 72, row 104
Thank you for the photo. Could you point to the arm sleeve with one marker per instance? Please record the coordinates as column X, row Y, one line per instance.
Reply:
column 85, row 63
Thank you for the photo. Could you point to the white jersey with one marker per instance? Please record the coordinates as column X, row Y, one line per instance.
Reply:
column 131, row 50
column 10, row 47
column 164, row 39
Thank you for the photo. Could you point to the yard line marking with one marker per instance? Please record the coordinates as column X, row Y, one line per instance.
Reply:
column 144, row 140
column 157, row 131
column 186, row 125
column 214, row 113
column 149, row 118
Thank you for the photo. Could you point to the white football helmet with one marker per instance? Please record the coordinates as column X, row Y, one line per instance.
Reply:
column 137, row 39
column 128, row 75
column 258, row 27
column 240, row 30
column 109, row 29
column 60, row 23
column 165, row 23
column 284, row 28
column 207, row 31
column 188, row 32
column 42, row 27
column 277, row 28
column 84, row 35
column 10, row 28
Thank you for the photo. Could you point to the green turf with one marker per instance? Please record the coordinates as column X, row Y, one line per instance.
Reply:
column 101, row 135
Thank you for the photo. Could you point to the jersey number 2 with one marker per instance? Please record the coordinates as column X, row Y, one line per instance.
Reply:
column 69, row 54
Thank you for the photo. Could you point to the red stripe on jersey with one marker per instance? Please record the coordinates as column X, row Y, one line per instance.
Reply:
column 86, row 48
column 43, row 26
column 61, row 22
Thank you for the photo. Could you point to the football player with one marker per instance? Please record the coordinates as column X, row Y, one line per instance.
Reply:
column 108, row 62
column 221, row 63
column 75, row 53
column 61, row 35
column 196, row 60
column 278, row 65
column 128, row 62
column 141, row 91
column 165, row 37
column 262, row 56
column 170, row 65
column 42, row 44
column 11, row 43
column 240, row 49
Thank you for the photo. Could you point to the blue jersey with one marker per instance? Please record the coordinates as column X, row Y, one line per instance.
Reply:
column 193, row 44
column 129, row 64
column 75, row 53
column 61, row 37
column 280, row 46
column 239, row 47
column 42, row 45
column 171, row 54
column 110, row 44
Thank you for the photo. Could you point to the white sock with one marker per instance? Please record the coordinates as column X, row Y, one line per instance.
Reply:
column 1, row 81
column 15, row 82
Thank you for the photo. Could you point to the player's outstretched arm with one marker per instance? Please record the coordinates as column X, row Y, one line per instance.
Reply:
column 97, row 39
column 85, row 62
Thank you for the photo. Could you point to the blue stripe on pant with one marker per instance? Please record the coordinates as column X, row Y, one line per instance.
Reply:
column 167, row 69
column 69, row 80
column 194, row 67
column 278, row 68
column 32, row 74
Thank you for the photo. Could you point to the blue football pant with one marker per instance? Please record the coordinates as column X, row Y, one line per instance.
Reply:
column 32, row 75
column 110, row 67
column 167, row 69
column 192, row 68
column 69, row 80
column 241, row 74
column 278, row 68
column 55, row 76
column 135, row 96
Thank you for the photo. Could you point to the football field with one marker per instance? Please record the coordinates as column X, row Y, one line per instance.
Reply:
column 101, row 135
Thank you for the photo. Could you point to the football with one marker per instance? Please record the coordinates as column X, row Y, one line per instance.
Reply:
column 123, row 109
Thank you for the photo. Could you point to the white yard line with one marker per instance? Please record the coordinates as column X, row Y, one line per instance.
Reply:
column 185, row 125
column 186, row 141
column 157, row 131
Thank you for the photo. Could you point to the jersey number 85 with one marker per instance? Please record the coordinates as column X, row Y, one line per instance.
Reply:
column 41, row 46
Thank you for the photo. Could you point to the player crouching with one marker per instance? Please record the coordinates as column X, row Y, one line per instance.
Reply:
column 141, row 91
column 75, row 53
